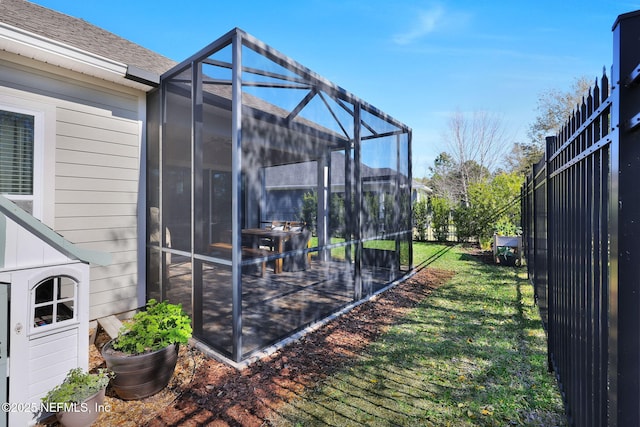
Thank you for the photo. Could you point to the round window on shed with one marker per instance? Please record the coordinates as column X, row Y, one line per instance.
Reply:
column 54, row 301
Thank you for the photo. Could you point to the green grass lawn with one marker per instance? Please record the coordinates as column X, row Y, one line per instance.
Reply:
column 472, row 354
column 339, row 253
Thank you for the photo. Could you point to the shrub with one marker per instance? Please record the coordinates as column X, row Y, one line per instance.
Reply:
column 421, row 219
column 309, row 210
column 160, row 325
column 440, row 211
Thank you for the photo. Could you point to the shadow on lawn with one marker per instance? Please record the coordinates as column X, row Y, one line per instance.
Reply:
column 460, row 359
column 434, row 257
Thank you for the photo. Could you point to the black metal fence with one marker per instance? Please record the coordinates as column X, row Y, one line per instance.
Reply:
column 581, row 221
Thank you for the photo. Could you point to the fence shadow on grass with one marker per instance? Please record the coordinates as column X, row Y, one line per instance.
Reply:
column 471, row 355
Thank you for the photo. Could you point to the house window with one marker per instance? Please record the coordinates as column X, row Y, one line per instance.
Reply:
column 53, row 301
column 18, row 146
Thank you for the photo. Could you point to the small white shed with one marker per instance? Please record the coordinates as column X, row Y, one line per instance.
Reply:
column 44, row 310
column 509, row 247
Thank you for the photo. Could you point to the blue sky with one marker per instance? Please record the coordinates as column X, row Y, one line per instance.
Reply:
column 418, row 61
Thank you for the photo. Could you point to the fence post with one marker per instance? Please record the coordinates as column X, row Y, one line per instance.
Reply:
column 624, row 225
column 549, row 143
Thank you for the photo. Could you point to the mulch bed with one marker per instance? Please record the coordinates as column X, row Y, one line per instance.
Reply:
column 222, row 396
column 208, row 392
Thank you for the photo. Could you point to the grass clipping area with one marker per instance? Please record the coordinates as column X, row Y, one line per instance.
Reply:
column 472, row 354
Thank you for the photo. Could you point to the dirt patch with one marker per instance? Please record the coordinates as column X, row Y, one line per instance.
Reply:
column 483, row 255
column 118, row 412
column 207, row 392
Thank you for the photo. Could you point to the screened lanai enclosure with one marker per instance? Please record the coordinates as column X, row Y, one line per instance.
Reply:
column 275, row 198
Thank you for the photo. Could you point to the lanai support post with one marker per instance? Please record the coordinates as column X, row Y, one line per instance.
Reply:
column 323, row 208
column 236, row 189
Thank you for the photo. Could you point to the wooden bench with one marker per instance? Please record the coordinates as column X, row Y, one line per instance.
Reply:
column 247, row 252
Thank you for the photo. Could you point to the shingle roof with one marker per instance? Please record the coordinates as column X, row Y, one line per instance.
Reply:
column 80, row 34
column 304, row 174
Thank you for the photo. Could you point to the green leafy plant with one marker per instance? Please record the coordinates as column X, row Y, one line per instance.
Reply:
column 440, row 211
column 77, row 387
column 421, row 219
column 493, row 206
column 160, row 325
column 505, row 251
column 309, row 210
column 507, row 255
column 337, row 215
column 506, row 227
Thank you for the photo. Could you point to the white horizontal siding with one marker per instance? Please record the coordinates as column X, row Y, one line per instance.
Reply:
column 118, row 300
column 99, row 147
column 97, row 174
column 95, row 159
column 96, row 209
column 114, row 244
column 110, row 197
column 78, row 170
column 106, row 272
column 107, row 285
column 120, row 135
column 93, row 184
column 117, row 296
column 102, row 121
column 95, row 181
column 118, row 236
column 91, row 222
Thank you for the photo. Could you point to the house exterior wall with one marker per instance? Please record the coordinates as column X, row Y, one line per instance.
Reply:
column 91, row 168
column 21, row 249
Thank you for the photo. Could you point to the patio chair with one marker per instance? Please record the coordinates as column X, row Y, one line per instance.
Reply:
column 296, row 225
column 267, row 242
column 279, row 225
column 298, row 261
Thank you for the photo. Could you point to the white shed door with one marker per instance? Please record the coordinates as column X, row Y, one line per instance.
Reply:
column 49, row 332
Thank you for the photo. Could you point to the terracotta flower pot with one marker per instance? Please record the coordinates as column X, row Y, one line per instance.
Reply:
column 84, row 414
column 140, row 376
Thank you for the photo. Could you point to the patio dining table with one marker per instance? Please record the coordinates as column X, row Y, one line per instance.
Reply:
column 277, row 238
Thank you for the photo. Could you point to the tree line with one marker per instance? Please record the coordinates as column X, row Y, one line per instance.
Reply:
column 475, row 181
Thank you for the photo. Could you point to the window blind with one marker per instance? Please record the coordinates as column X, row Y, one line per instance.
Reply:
column 16, row 153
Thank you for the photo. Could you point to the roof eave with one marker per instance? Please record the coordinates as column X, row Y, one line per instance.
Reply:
column 28, row 44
